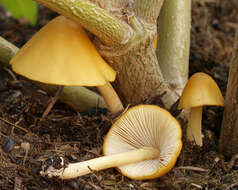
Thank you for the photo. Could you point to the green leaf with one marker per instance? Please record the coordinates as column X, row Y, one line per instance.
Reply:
column 22, row 9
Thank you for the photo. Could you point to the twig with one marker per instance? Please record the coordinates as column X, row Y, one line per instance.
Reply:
column 53, row 101
column 94, row 186
column 18, row 183
column 1, row 134
column 89, row 183
column 10, row 73
column 196, row 185
column 94, row 174
column 233, row 160
column 232, row 185
column 15, row 125
column 192, row 168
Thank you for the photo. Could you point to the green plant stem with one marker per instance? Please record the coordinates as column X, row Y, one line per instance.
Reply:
column 79, row 98
column 174, row 42
column 105, row 26
column 7, row 50
column 148, row 10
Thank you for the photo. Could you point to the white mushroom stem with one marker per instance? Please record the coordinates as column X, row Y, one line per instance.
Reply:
column 111, row 98
column 104, row 162
column 194, row 130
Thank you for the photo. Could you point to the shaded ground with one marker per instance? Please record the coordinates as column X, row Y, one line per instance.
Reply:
column 79, row 136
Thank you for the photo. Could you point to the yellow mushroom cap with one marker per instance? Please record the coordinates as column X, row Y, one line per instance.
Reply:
column 61, row 53
column 145, row 126
column 200, row 90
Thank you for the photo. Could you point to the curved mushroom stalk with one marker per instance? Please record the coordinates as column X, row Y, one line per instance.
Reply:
column 82, row 168
column 111, row 98
column 194, row 129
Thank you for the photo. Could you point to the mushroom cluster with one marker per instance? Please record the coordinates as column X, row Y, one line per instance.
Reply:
column 143, row 143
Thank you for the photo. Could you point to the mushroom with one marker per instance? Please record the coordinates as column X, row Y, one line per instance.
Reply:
column 200, row 90
column 143, row 143
column 61, row 53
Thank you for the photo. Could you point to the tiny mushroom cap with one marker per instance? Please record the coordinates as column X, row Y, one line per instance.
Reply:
column 61, row 53
column 200, row 90
column 145, row 126
column 144, row 143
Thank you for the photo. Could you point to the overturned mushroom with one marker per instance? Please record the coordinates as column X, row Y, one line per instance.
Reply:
column 143, row 143
column 61, row 53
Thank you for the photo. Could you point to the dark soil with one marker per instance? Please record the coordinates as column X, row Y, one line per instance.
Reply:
column 79, row 136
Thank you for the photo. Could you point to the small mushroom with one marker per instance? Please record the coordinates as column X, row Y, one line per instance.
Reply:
column 61, row 53
column 201, row 90
column 143, row 143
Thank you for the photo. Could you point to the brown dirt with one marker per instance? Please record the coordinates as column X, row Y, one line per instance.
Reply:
column 79, row 136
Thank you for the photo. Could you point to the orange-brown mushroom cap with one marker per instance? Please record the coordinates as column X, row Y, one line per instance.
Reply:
column 145, row 126
column 61, row 53
column 200, row 90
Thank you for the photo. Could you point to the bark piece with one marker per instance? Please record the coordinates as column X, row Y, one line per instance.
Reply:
column 229, row 131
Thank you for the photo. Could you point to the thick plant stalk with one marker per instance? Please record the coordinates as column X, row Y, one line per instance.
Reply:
column 148, row 11
column 229, row 131
column 106, row 27
column 110, row 4
column 174, row 42
column 79, row 98
column 139, row 78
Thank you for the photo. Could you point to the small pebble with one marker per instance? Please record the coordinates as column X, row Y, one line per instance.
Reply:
column 8, row 145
